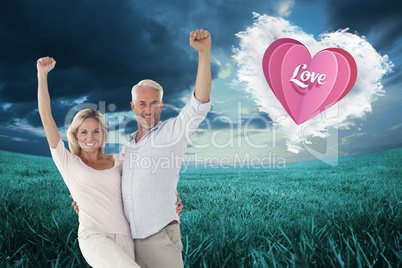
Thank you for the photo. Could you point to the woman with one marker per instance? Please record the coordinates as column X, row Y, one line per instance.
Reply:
column 93, row 178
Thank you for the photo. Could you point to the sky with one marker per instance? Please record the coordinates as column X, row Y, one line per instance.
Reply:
column 103, row 48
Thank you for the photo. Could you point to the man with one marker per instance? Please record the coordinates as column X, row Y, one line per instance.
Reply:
column 153, row 160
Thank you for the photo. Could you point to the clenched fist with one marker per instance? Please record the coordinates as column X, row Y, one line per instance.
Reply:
column 45, row 64
column 200, row 40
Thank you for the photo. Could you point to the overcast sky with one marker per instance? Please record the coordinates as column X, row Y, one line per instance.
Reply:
column 103, row 48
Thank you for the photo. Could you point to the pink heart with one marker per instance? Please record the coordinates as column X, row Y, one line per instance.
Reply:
column 307, row 86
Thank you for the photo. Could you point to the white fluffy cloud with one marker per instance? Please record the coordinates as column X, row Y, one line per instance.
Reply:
column 284, row 8
column 371, row 68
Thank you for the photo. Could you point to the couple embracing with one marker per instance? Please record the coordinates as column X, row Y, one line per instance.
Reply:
column 127, row 213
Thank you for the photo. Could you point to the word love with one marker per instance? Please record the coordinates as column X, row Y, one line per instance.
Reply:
column 305, row 76
column 307, row 86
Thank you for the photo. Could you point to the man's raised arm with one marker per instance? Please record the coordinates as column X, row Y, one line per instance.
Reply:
column 200, row 40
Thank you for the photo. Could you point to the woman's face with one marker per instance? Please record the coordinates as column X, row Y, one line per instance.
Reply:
column 89, row 135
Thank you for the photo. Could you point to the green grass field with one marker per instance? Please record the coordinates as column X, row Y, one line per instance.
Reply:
column 307, row 215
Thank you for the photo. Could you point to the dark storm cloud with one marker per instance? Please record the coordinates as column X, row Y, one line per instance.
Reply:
column 222, row 18
column 16, row 111
column 381, row 19
column 21, row 140
column 102, row 49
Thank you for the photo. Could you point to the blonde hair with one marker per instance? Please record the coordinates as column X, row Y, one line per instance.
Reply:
column 77, row 121
column 146, row 83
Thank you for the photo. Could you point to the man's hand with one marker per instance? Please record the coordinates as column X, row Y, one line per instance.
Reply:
column 45, row 65
column 179, row 206
column 200, row 40
column 74, row 204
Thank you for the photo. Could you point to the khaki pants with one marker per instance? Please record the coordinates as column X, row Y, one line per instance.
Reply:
column 161, row 250
column 106, row 250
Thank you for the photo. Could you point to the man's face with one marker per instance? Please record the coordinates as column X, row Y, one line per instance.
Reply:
column 147, row 107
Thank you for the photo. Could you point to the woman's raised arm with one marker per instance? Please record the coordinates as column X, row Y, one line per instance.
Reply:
column 44, row 66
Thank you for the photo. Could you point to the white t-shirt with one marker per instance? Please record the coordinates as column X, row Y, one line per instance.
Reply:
column 97, row 192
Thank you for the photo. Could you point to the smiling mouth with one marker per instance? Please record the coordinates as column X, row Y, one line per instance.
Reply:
column 147, row 117
column 90, row 144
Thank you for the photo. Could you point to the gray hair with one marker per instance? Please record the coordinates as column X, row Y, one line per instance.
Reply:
column 146, row 83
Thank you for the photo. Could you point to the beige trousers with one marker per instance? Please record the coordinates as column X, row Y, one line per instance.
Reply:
column 107, row 250
column 161, row 250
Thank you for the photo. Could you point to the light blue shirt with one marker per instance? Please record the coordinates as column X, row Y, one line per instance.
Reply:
column 151, row 170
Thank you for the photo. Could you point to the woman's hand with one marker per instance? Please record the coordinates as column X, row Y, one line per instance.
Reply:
column 179, row 206
column 45, row 64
